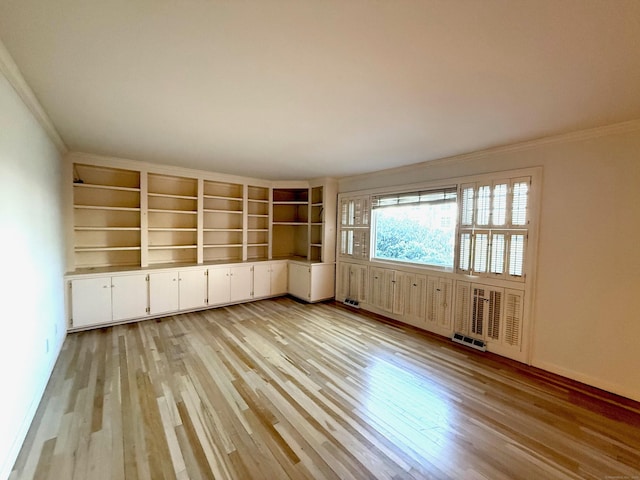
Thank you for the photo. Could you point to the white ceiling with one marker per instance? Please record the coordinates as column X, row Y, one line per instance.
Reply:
column 303, row 88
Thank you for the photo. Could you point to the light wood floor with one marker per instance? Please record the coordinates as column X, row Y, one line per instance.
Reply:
column 277, row 389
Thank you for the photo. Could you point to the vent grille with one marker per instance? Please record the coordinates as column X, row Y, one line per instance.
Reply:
column 469, row 342
column 352, row 303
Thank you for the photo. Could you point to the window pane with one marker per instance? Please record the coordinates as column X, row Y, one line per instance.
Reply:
column 500, row 204
column 467, row 206
column 465, row 251
column 516, row 255
column 481, row 252
column 497, row 253
column 519, row 206
column 420, row 233
column 484, row 205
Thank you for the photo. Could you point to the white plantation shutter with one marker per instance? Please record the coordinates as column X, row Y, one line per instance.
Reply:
column 499, row 208
column 520, row 197
column 478, row 312
column 481, row 252
column 464, row 259
column 483, row 205
column 513, row 317
column 461, row 311
column 354, row 227
column 466, row 205
column 516, row 254
column 498, row 251
column 495, row 314
column 484, row 249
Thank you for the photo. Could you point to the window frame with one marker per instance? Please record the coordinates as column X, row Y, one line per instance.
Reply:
column 448, row 189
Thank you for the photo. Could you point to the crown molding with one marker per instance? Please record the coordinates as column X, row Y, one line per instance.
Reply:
column 579, row 135
column 11, row 72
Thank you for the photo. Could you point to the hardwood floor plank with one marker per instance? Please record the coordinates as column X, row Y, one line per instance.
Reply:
column 278, row 389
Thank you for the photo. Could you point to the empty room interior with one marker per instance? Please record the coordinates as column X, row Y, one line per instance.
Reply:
column 320, row 239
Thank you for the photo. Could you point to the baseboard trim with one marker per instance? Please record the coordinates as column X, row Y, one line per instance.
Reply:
column 614, row 388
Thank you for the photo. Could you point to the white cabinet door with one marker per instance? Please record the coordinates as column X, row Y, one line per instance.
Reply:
column 322, row 282
column 269, row 279
column 416, row 299
column 241, row 282
column 300, row 281
column 129, row 296
column 90, row 301
column 219, row 288
column 193, row 289
column 278, row 278
column 163, row 292
column 261, row 280
column 382, row 288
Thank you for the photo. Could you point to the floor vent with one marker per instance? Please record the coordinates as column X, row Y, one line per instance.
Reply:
column 470, row 342
column 351, row 303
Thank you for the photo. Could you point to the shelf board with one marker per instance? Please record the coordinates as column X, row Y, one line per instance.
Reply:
column 99, row 207
column 291, row 223
column 257, row 245
column 170, row 247
column 162, row 210
column 258, row 215
column 316, row 245
column 107, row 229
column 257, row 200
column 316, row 224
column 319, row 204
column 222, row 197
column 221, row 229
column 207, row 210
column 224, row 245
column 172, row 229
column 104, row 249
column 169, row 195
column 292, row 202
column 106, row 187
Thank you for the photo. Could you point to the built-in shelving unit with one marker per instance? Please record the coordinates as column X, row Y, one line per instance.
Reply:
column 316, row 223
column 172, row 219
column 290, row 222
column 223, row 221
column 257, row 222
column 129, row 214
column 106, row 203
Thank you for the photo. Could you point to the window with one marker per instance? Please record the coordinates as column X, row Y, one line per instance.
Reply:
column 354, row 227
column 416, row 227
column 494, row 227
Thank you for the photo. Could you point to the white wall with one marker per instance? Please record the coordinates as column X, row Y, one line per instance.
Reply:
column 31, row 283
column 586, row 314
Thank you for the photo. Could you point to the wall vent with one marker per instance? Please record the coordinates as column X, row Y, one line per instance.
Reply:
column 351, row 302
column 470, row 342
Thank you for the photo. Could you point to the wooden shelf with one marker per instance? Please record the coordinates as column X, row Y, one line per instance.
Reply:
column 222, row 230
column 223, row 211
column 106, row 229
column 169, row 195
column 230, row 245
column 172, row 229
column 185, row 212
column 106, row 187
column 104, row 249
column 171, row 247
column 100, row 207
column 222, row 197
